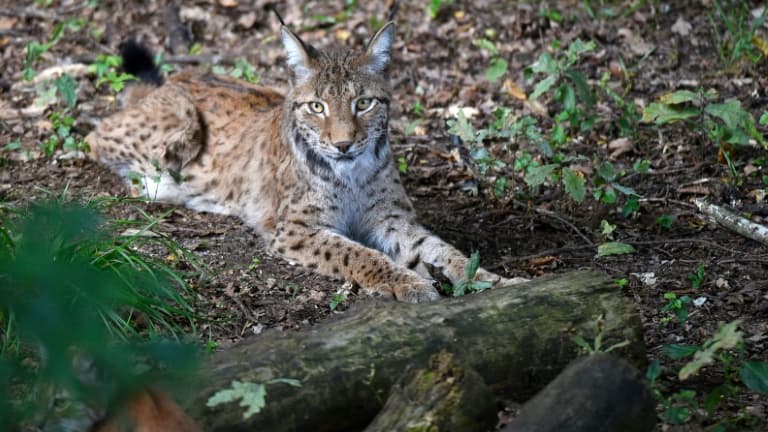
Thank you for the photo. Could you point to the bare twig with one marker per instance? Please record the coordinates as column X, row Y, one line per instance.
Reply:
column 733, row 221
column 566, row 222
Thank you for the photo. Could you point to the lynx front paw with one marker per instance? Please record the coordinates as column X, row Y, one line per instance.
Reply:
column 416, row 291
column 496, row 280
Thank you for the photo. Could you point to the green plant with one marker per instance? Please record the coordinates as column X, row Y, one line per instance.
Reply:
column 36, row 49
column 621, row 283
column 402, row 165
column 733, row 28
column 63, row 136
column 676, row 306
column 571, row 90
column 469, row 285
column 597, row 345
column 697, row 277
column 722, row 123
column 497, row 66
column 434, row 6
column 252, row 396
column 665, row 221
column 242, row 69
column 69, row 289
column 106, row 69
column 255, row 262
column 336, row 300
column 629, row 115
column 725, row 348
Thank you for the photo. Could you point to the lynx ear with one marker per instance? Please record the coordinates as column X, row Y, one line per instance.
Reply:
column 379, row 51
column 299, row 55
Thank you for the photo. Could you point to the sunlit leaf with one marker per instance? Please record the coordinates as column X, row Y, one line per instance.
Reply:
column 574, row 184
column 614, row 248
column 661, row 114
column 251, row 396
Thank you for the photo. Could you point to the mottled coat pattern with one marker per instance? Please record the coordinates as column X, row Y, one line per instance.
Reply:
column 311, row 170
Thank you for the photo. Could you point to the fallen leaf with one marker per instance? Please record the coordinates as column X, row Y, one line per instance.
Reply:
column 514, row 90
column 247, row 21
column 619, row 146
column 636, row 44
column 681, row 27
column 228, row 3
column 343, row 34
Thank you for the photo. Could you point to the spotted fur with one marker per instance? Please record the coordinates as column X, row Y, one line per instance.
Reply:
column 311, row 170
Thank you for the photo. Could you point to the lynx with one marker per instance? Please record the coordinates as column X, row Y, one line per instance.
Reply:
column 311, row 170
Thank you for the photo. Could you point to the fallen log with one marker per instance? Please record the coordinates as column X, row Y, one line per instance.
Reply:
column 445, row 396
column 517, row 338
column 599, row 393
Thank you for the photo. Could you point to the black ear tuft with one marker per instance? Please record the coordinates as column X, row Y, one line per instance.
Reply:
column 138, row 61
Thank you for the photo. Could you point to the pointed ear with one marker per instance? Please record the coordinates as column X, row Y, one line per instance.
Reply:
column 379, row 51
column 298, row 54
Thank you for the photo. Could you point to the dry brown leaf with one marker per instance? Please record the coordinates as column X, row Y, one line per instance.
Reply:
column 636, row 44
column 619, row 146
column 228, row 3
column 514, row 90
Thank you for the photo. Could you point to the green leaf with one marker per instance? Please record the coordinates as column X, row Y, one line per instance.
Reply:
column 251, row 395
column 678, row 351
column 290, row 381
column 607, row 171
column 545, row 64
column 462, row 127
column 67, row 88
column 581, row 85
column 665, row 221
column 543, row 86
column 654, row 370
column 614, row 248
column 675, row 415
column 624, row 189
column 661, row 114
column 728, row 336
column 764, row 119
column 678, row 97
column 496, row 69
column 578, row 340
column 574, row 184
column 576, row 49
column 730, row 112
column 13, row 145
column 487, row 45
column 537, row 175
column 754, row 375
column 472, row 265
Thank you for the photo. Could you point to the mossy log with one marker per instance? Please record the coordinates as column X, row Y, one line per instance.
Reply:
column 444, row 396
column 517, row 338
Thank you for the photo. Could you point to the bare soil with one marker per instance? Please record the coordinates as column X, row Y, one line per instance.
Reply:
column 521, row 233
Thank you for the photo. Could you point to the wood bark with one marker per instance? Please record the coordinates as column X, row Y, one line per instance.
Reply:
column 445, row 396
column 517, row 338
column 599, row 393
column 733, row 222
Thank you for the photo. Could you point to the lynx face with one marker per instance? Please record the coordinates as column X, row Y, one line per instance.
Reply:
column 341, row 100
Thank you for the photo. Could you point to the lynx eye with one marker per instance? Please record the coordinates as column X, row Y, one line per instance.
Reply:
column 363, row 104
column 316, row 107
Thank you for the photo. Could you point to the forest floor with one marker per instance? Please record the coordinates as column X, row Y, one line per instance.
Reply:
column 474, row 195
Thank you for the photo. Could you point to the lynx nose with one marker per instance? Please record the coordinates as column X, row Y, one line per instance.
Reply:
column 343, row 146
